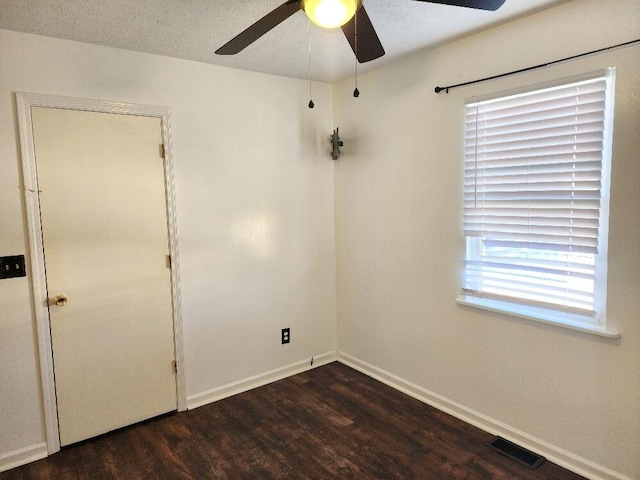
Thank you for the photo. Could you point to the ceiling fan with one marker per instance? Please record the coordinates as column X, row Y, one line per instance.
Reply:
column 351, row 16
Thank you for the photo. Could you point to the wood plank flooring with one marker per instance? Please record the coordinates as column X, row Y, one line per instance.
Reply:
column 328, row 423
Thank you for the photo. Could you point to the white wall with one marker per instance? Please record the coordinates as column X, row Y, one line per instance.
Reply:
column 255, row 215
column 254, row 187
column 400, row 245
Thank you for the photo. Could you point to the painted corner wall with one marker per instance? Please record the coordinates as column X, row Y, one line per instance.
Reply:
column 400, row 244
column 255, row 201
column 255, row 209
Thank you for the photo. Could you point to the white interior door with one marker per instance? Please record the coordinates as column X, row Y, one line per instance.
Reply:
column 105, row 236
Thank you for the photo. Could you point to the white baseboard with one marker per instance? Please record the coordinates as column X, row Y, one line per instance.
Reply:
column 203, row 398
column 557, row 455
column 553, row 453
column 23, row 456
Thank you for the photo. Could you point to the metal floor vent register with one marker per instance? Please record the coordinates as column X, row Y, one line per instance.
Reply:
column 517, row 453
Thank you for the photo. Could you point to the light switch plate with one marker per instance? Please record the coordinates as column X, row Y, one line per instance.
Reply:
column 12, row 267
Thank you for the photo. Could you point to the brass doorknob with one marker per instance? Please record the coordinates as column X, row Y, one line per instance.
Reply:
column 59, row 300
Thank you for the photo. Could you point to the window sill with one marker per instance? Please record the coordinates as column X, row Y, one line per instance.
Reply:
column 535, row 314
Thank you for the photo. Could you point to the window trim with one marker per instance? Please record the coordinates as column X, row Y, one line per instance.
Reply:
column 567, row 320
column 537, row 314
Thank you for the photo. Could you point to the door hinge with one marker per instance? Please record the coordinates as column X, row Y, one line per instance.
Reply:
column 169, row 263
column 162, row 150
column 174, row 366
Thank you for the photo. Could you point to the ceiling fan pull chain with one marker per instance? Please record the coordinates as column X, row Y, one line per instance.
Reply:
column 356, row 92
column 311, row 104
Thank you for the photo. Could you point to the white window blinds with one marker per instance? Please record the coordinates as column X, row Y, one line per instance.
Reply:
column 533, row 190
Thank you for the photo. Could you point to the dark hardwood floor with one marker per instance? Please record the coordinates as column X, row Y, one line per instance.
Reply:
column 330, row 422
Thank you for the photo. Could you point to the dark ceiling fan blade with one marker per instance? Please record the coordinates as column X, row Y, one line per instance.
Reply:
column 479, row 4
column 258, row 29
column 369, row 46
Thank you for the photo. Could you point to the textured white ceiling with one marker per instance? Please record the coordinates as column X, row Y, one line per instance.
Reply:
column 194, row 29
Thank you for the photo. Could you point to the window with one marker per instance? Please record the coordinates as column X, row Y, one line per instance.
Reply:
column 536, row 187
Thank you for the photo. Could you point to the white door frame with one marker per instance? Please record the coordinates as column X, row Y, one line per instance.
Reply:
column 25, row 101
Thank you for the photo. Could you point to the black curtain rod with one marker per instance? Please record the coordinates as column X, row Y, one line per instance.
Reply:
column 446, row 89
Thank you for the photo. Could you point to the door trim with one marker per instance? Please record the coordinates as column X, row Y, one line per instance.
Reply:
column 25, row 101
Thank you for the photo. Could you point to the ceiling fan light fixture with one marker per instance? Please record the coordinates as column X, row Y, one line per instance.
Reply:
column 330, row 13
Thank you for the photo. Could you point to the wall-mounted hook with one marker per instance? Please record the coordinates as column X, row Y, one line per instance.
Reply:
column 336, row 143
